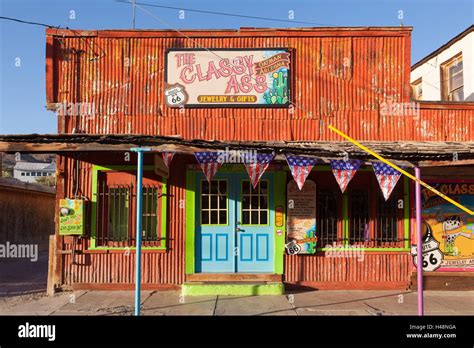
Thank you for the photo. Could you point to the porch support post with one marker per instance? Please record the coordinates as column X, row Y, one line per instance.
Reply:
column 138, row 229
column 419, row 242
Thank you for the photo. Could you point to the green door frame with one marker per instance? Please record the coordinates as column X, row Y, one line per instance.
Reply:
column 279, row 187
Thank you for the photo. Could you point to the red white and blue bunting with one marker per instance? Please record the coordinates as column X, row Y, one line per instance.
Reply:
column 257, row 166
column 300, row 167
column 387, row 177
column 210, row 163
column 344, row 171
column 167, row 157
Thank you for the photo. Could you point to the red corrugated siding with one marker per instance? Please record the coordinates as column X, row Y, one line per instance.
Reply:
column 374, row 268
column 118, row 268
column 340, row 79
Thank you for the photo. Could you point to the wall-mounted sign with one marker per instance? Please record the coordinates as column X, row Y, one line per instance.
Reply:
column 227, row 77
column 301, row 220
column 432, row 256
column 71, row 216
column 278, row 216
column 449, row 226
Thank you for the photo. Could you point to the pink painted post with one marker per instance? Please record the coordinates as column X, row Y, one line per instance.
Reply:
column 419, row 242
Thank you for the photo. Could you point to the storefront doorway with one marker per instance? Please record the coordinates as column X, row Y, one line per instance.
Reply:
column 234, row 224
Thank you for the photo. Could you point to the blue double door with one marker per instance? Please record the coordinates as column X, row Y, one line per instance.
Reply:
column 234, row 224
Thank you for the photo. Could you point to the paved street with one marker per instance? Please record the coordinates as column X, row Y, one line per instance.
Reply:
column 336, row 302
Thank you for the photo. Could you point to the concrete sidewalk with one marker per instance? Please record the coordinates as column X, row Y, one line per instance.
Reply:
column 336, row 302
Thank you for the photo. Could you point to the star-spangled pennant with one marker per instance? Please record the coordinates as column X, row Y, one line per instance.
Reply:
column 387, row 177
column 257, row 166
column 167, row 157
column 300, row 167
column 344, row 171
column 209, row 162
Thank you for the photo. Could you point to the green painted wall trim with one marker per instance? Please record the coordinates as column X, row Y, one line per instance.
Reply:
column 190, row 221
column 201, row 289
column 95, row 174
column 345, row 218
column 406, row 211
column 279, row 190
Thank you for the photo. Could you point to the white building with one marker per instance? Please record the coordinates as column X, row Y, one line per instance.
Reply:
column 447, row 74
column 30, row 171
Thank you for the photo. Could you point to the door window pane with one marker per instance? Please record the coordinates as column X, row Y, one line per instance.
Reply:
column 254, row 207
column 214, row 202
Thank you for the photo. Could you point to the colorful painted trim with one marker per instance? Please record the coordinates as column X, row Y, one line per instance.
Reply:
column 95, row 174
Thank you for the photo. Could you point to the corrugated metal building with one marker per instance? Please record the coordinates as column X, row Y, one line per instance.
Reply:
column 346, row 77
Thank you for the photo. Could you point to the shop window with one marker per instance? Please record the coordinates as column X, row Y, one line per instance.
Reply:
column 214, row 202
column 327, row 216
column 452, row 81
column 374, row 222
column 387, row 220
column 359, row 216
column 254, row 207
column 116, row 203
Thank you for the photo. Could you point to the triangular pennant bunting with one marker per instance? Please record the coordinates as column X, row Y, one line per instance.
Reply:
column 387, row 177
column 344, row 171
column 210, row 163
column 168, row 157
column 257, row 166
column 300, row 167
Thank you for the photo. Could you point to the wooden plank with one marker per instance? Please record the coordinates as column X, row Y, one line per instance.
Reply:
column 445, row 163
column 123, row 286
column 460, row 281
column 233, row 277
column 364, row 285
column 51, row 261
column 60, row 193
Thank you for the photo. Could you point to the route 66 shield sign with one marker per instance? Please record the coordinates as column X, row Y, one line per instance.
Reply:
column 432, row 256
column 293, row 248
column 175, row 95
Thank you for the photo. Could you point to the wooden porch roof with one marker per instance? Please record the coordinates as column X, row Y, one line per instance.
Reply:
column 402, row 152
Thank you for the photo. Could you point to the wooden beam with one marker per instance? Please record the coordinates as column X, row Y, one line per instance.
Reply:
column 445, row 163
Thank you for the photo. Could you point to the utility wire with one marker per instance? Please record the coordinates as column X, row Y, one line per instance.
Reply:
column 228, row 14
column 28, row 22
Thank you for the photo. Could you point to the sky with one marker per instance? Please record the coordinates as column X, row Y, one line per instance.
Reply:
column 22, row 47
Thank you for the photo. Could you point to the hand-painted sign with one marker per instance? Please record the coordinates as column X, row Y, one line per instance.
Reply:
column 71, row 216
column 449, row 225
column 227, row 77
column 301, row 220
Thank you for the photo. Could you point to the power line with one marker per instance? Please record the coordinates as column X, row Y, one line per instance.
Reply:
column 228, row 14
column 28, row 22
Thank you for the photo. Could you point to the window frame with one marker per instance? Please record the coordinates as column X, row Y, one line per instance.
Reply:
column 218, row 208
column 374, row 195
column 94, row 214
column 414, row 89
column 250, row 195
column 444, row 76
column 343, row 205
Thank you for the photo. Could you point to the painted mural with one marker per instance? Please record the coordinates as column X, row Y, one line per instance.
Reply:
column 449, row 226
